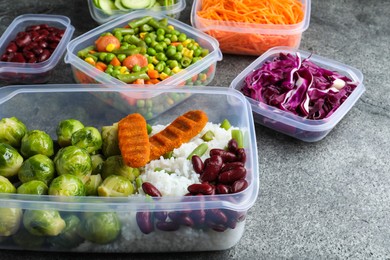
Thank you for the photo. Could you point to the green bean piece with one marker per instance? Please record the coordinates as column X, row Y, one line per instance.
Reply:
column 146, row 28
column 199, row 150
column 164, row 22
column 83, row 53
column 95, row 58
column 168, row 155
column 109, row 57
column 149, row 128
column 139, row 22
column 138, row 182
column 131, row 77
column 239, row 137
column 124, row 31
column 156, row 25
column 226, row 124
column 208, row 136
column 185, row 62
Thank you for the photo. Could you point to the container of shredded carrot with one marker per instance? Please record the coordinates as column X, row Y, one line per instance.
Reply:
column 251, row 27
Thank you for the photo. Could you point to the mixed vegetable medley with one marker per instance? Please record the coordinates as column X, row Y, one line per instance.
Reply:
column 110, row 6
column 86, row 161
column 146, row 51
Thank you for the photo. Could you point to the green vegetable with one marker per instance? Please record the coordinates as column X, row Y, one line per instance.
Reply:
column 6, row 186
column 33, row 187
column 208, row 136
column 65, row 129
column 225, row 124
column 116, row 186
column 12, row 131
column 69, row 237
column 37, row 167
column 75, row 161
column 239, row 137
column 88, row 138
column 10, row 160
column 131, row 77
column 92, row 185
column 67, row 185
column 36, row 142
column 199, row 150
column 10, row 219
column 114, row 165
column 26, row 240
column 110, row 140
column 43, row 222
column 97, row 163
column 99, row 227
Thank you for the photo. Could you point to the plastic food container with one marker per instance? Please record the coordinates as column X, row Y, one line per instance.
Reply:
column 28, row 73
column 101, row 16
column 83, row 102
column 85, row 73
column 304, row 129
column 249, row 38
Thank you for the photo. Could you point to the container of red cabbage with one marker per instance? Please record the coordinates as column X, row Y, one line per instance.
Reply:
column 298, row 93
column 32, row 46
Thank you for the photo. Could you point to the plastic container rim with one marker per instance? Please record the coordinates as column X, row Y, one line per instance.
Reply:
column 252, row 28
column 295, row 120
column 47, row 65
column 71, row 58
column 136, row 202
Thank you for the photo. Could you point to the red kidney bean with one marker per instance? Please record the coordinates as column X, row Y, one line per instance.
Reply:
column 198, row 216
column 241, row 155
column 32, row 60
column 145, row 222
column 18, row 57
column 222, row 189
column 23, row 40
column 181, row 218
column 33, row 28
column 53, row 45
column 217, row 216
column 235, row 215
column 44, row 56
column 160, row 215
column 239, row 185
column 202, row 188
column 150, row 189
column 167, row 226
column 37, row 50
column 212, row 168
column 225, row 155
column 43, row 44
column 231, row 165
column 197, row 164
column 12, row 47
column 4, row 57
column 215, row 226
column 232, row 175
column 28, row 55
column 232, row 145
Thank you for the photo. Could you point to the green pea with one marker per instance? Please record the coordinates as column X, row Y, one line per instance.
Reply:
column 171, row 52
column 121, row 57
column 115, row 73
column 174, row 38
column 164, row 44
column 109, row 57
column 178, row 56
column 197, row 52
column 109, row 70
column 175, row 32
column 102, row 56
column 190, row 46
column 182, row 37
column 160, row 31
column 151, row 51
column 167, row 41
column 150, row 59
column 159, row 67
column 148, row 40
column 161, row 56
column 205, row 52
column 179, row 47
column 173, row 64
column 126, row 38
column 159, row 47
column 196, row 59
column 160, row 38
column 136, row 68
column 167, row 70
column 168, row 35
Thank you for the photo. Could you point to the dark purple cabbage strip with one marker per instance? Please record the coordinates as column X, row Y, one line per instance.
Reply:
column 298, row 86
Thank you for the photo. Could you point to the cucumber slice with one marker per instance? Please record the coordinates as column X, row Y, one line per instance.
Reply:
column 96, row 3
column 135, row 4
column 107, row 6
column 118, row 4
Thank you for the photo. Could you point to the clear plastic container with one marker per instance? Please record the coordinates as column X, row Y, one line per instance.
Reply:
column 249, row 38
column 307, row 130
column 102, row 17
column 28, row 73
column 83, row 103
column 85, row 73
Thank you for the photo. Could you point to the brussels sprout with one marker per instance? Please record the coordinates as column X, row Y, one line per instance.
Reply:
column 10, row 219
column 114, row 165
column 110, row 140
column 25, row 240
column 33, row 187
column 6, row 186
column 97, row 163
column 68, row 238
column 36, row 142
column 12, row 131
column 92, row 185
column 43, row 222
column 10, row 160
column 100, row 227
column 88, row 138
column 67, row 185
column 73, row 160
column 116, row 186
column 37, row 167
column 65, row 129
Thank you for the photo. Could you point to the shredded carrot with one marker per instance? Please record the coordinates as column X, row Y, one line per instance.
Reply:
column 115, row 62
column 251, row 13
column 133, row 140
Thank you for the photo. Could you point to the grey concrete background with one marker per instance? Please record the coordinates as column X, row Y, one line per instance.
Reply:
column 324, row 200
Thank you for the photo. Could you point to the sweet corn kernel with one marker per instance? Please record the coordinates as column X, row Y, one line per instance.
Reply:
column 187, row 41
column 110, row 47
column 150, row 66
column 90, row 60
column 187, row 53
column 171, row 27
column 163, row 75
column 142, row 35
column 176, row 69
column 122, row 70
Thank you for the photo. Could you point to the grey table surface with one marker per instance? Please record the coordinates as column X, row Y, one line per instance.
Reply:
column 329, row 199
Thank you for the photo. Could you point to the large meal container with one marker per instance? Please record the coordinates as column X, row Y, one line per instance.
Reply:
column 85, row 73
column 29, row 73
column 102, row 16
column 307, row 130
column 251, row 38
column 86, row 102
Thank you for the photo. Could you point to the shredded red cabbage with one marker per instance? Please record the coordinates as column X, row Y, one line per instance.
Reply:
column 299, row 86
